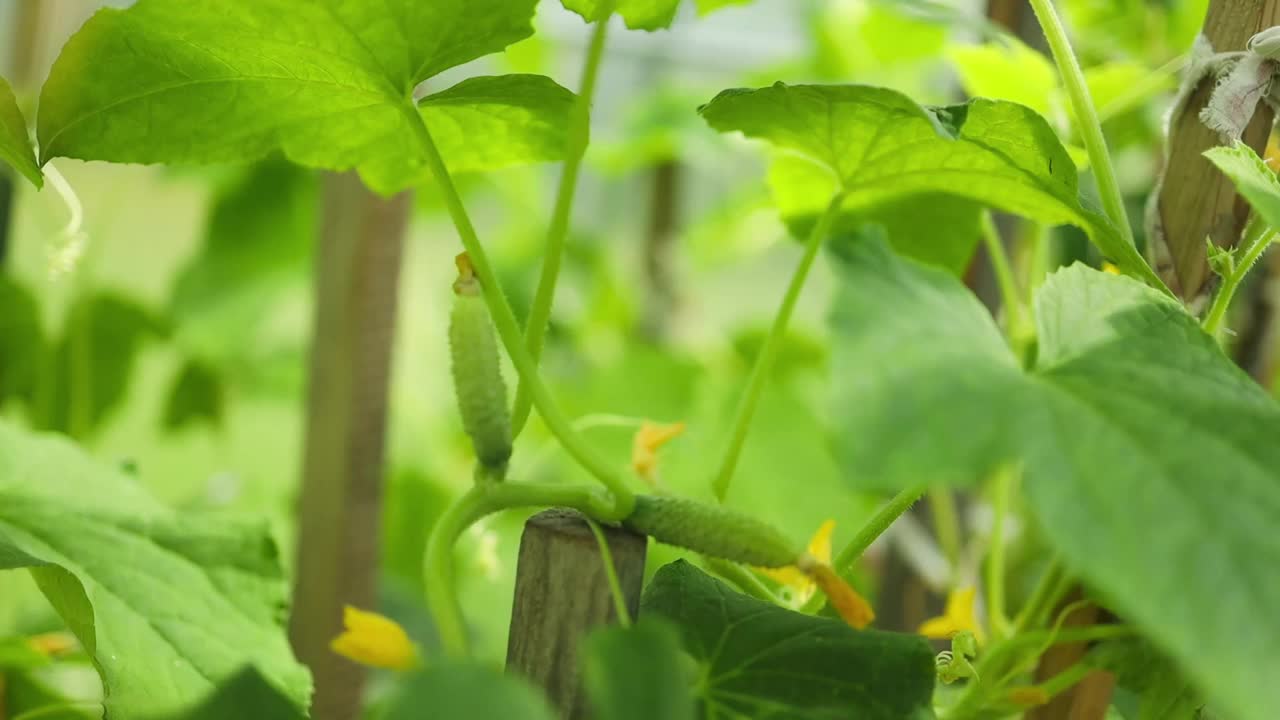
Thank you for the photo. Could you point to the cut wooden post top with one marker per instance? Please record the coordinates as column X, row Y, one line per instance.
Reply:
column 562, row 593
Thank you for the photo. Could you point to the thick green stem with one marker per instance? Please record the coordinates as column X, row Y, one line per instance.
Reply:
column 508, row 329
column 874, row 528
column 479, row 501
column 579, row 131
column 1086, row 116
column 1258, row 237
column 769, row 352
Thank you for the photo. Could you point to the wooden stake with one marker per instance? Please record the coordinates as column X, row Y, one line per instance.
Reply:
column 1196, row 200
column 562, row 592
column 357, row 271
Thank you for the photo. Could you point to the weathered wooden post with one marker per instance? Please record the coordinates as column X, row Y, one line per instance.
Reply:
column 562, row 593
column 357, row 271
column 1196, row 200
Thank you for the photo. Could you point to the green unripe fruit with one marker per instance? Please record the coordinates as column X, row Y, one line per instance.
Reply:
column 477, row 378
column 711, row 530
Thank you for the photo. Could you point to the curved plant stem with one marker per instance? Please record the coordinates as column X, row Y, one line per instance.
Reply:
column 579, row 131
column 508, row 329
column 479, row 501
column 1258, row 237
column 611, row 575
column 442, row 599
column 769, row 351
column 1086, row 116
column 874, row 528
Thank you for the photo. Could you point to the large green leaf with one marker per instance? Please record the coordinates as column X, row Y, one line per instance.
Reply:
column 168, row 606
column 1253, row 179
column 878, row 144
column 328, row 82
column 1150, row 458
column 946, row 235
column 518, row 116
column 465, row 691
column 15, row 144
column 637, row 673
column 758, row 660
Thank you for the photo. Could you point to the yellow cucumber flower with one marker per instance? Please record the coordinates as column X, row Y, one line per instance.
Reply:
column 793, row 578
column 54, row 643
column 375, row 640
column 958, row 617
column 814, row 572
column 644, row 447
column 853, row 608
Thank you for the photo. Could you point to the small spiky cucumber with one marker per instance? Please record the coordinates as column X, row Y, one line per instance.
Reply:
column 477, row 377
column 711, row 530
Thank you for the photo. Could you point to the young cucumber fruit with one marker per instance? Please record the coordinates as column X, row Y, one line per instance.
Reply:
column 711, row 530
column 477, row 378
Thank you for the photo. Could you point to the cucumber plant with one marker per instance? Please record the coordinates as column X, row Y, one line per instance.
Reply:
column 1098, row 407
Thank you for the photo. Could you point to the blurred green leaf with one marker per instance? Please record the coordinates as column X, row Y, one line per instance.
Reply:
column 519, row 119
column 1163, row 693
column 637, row 673
column 17, row 653
column 1006, row 70
column 257, row 248
column 330, row 83
column 880, row 145
column 168, row 606
column 15, row 144
column 1139, row 437
column 1254, row 180
column 458, row 691
column 92, row 363
column 196, row 396
column 759, row 660
column 29, row 694
column 246, row 691
column 22, row 349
